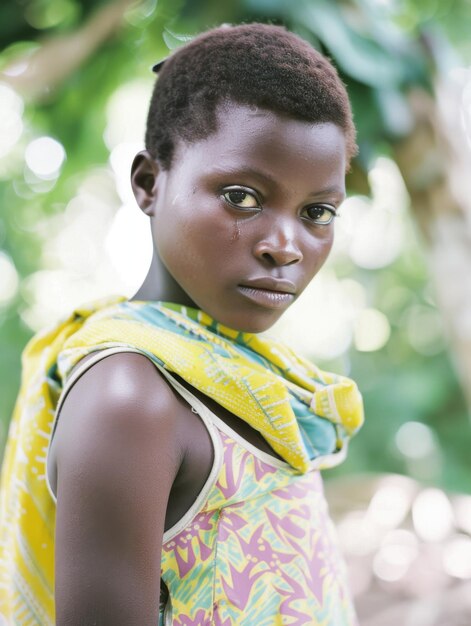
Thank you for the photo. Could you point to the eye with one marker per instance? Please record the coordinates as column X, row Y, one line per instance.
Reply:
column 320, row 213
column 241, row 198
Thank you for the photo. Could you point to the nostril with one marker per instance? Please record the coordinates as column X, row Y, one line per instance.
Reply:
column 266, row 256
column 278, row 253
column 280, row 259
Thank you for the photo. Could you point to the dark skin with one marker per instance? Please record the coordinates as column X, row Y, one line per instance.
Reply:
column 241, row 223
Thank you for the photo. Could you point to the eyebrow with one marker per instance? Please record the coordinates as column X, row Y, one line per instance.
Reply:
column 268, row 178
column 264, row 176
column 337, row 191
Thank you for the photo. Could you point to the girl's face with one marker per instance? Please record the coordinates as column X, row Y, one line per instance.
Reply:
column 244, row 219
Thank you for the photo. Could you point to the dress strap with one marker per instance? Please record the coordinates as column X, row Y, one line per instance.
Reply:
column 197, row 407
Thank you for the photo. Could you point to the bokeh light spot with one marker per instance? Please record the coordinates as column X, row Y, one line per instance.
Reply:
column 398, row 550
column 432, row 515
column 8, row 279
column 126, row 113
column 457, row 556
column 319, row 324
column 45, row 156
column 415, row 440
column 130, row 232
column 371, row 330
column 389, row 505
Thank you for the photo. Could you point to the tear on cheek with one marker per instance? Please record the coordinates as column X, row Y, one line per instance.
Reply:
column 236, row 231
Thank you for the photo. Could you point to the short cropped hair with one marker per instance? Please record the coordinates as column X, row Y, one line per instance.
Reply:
column 252, row 64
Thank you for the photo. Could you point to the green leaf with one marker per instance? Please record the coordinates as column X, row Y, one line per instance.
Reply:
column 358, row 56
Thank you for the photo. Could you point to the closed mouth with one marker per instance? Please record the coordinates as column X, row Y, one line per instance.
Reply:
column 266, row 298
column 270, row 285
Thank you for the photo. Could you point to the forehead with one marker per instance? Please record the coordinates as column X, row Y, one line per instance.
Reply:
column 285, row 148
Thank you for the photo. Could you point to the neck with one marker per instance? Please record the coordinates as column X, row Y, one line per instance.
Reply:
column 160, row 285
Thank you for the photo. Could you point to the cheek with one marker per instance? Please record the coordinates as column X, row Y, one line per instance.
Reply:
column 194, row 237
column 318, row 249
column 329, row 241
column 213, row 234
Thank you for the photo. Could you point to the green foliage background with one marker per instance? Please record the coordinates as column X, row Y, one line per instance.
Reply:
column 376, row 48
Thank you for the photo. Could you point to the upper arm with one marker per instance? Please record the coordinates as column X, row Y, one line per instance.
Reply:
column 117, row 457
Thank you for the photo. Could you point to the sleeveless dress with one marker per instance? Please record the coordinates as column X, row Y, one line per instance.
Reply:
column 261, row 549
column 257, row 546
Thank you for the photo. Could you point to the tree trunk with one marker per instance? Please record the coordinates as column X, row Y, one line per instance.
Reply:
column 435, row 161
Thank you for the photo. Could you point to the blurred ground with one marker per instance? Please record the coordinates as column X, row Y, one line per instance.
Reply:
column 408, row 550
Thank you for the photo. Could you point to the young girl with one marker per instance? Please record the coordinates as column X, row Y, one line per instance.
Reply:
column 159, row 442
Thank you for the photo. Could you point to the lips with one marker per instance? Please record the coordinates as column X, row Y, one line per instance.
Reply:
column 268, row 283
column 269, row 292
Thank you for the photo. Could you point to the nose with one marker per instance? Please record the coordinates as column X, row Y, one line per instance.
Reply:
column 277, row 246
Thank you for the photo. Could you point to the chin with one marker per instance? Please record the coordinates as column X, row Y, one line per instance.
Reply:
column 258, row 328
column 252, row 323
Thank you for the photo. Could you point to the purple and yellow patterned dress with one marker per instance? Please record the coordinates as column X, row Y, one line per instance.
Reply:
column 257, row 547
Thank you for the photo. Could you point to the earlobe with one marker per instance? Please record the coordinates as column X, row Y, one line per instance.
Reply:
column 144, row 173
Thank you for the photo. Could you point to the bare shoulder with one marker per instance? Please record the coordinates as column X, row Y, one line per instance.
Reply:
column 117, row 455
column 121, row 397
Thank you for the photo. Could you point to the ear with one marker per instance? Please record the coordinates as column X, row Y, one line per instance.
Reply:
column 144, row 173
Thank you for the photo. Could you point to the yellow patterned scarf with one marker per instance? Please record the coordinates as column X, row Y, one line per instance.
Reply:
column 306, row 415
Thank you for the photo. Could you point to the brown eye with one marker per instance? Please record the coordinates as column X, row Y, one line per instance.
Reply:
column 320, row 213
column 241, row 198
